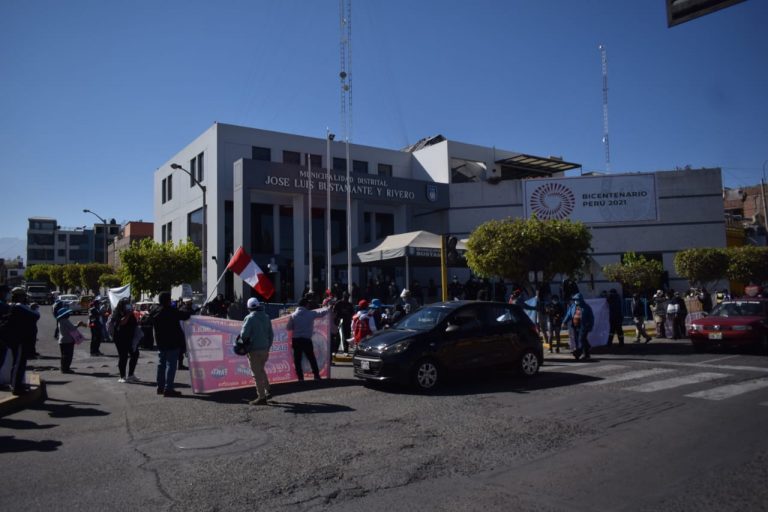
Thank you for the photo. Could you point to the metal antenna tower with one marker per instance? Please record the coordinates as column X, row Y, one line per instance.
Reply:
column 345, row 74
column 606, row 143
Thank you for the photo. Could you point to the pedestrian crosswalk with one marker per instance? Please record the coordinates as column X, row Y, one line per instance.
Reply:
column 719, row 385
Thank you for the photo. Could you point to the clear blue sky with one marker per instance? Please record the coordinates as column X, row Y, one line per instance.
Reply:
column 95, row 95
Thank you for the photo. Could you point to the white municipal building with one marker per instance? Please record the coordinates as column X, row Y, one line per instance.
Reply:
column 256, row 194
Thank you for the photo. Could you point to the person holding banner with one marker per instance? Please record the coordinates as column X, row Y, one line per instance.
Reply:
column 170, row 339
column 258, row 336
column 301, row 325
column 68, row 338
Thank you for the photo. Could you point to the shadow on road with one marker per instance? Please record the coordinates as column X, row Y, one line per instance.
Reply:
column 23, row 424
column 310, row 407
column 10, row 444
column 68, row 410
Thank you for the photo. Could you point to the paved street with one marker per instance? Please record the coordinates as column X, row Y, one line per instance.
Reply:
column 649, row 427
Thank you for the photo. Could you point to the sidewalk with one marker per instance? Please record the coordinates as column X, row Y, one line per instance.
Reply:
column 10, row 403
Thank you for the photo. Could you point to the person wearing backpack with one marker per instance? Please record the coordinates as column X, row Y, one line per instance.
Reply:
column 301, row 325
column 363, row 323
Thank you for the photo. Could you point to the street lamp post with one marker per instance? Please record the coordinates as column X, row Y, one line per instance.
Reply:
column 328, row 138
column 103, row 221
column 203, row 284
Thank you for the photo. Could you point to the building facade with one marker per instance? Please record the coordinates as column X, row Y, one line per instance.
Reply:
column 131, row 232
column 256, row 185
column 48, row 242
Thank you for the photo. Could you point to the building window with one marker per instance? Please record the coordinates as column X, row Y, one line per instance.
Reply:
column 166, row 232
column 385, row 225
column 195, row 227
column 466, row 171
column 292, row 157
column 62, row 252
column 192, row 171
column 360, row 166
column 385, row 170
column 263, row 154
column 40, row 239
column 62, row 238
column 262, row 229
column 170, row 187
column 316, row 161
column 339, row 164
column 164, row 193
column 367, row 219
column 200, row 167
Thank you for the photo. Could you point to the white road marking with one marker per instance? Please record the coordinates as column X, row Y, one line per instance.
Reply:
column 639, row 374
column 591, row 367
column 685, row 380
column 709, row 361
column 731, row 390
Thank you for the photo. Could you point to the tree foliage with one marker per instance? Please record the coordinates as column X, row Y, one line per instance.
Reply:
column 110, row 281
column 39, row 272
column 57, row 276
column 153, row 267
column 702, row 266
column 90, row 274
column 748, row 263
column 72, row 276
column 636, row 274
column 511, row 248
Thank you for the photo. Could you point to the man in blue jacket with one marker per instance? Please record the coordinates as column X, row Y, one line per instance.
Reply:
column 258, row 335
column 580, row 320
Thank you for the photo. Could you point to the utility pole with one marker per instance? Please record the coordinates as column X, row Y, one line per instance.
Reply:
column 345, row 74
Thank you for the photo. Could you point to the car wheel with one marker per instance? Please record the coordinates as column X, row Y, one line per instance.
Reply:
column 426, row 375
column 529, row 363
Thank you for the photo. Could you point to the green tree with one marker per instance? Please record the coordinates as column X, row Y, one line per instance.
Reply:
column 748, row 263
column 153, row 267
column 72, row 276
column 511, row 248
column 90, row 274
column 635, row 273
column 110, row 281
column 703, row 266
column 39, row 272
column 56, row 273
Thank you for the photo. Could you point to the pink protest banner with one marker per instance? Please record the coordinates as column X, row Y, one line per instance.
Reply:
column 214, row 366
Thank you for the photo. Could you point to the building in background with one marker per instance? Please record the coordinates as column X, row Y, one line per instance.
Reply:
column 257, row 182
column 48, row 242
column 12, row 271
column 132, row 231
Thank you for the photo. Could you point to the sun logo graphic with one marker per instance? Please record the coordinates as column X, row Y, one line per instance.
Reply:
column 552, row 201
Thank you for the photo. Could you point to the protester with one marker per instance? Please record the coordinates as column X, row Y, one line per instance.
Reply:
column 342, row 312
column 615, row 317
column 455, row 289
column 68, row 335
column 218, row 307
column 17, row 335
column 579, row 319
column 257, row 333
column 638, row 317
column 377, row 312
column 677, row 311
column 301, row 325
column 170, row 339
column 363, row 323
column 31, row 347
column 554, row 311
column 94, row 323
column 125, row 329
column 659, row 311
column 55, row 308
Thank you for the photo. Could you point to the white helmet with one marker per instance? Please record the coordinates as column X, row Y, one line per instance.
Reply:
column 405, row 293
column 253, row 303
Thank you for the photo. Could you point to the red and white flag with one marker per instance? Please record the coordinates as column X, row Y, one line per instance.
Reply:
column 242, row 265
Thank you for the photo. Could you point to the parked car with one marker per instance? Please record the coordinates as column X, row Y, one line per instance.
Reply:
column 40, row 293
column 449, row 338
column 733, row 323
column 72, row 302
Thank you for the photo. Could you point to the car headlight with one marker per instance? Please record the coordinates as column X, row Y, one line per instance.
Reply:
column 397, row 348
column 697, row 328
column 742, row 328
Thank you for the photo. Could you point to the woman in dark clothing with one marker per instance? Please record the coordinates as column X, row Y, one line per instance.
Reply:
column 94, row 322
column 125, row 327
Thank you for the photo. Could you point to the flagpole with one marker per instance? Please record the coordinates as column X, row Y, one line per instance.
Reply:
column 309, row 195
column 216, row 286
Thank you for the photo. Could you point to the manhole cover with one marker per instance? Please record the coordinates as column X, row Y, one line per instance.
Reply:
column 204, row 440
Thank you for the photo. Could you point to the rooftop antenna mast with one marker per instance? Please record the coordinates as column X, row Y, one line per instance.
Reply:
column 345, row 74
column 606, row 143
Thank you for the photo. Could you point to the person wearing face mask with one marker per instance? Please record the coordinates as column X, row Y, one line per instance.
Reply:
column 580, row 320
column 125, row 327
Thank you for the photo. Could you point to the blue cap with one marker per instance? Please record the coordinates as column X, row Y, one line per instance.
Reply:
column 577, row 296
column 64, row 312
column 375, row 304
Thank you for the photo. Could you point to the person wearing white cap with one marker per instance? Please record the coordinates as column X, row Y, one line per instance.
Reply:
column 258, row 336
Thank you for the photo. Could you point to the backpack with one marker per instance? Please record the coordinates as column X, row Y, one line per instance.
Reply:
column 361, row 328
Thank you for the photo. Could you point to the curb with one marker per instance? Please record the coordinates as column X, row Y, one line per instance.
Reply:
column 37, row 394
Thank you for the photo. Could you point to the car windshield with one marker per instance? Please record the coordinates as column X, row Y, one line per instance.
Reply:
column 37, row 289
column 68, row 297
column 738, row 309
column 422, row 320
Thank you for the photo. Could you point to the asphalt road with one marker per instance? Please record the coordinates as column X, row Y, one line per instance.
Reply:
column 647, row 428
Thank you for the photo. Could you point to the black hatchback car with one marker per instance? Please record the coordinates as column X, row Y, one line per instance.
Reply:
column 450, row 337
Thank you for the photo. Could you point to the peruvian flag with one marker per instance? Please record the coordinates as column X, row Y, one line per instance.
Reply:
column 242, row 265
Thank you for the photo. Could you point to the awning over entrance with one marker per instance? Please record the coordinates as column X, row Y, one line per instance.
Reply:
column 529, row 166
